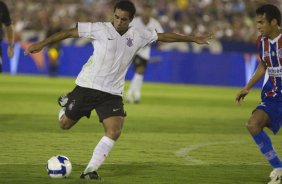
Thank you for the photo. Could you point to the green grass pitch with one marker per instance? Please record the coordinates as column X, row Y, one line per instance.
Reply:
column 178, row 134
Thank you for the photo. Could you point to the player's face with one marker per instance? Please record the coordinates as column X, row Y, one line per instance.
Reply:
column 147, row 12
column 121, row 20
column 263, row 26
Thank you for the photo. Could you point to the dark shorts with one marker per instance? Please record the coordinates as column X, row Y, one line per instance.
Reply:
column 81, row 101
column 273, row 108
column 139, row 61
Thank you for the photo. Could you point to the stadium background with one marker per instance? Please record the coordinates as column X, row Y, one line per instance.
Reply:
column 178, row 134
column 229, row 60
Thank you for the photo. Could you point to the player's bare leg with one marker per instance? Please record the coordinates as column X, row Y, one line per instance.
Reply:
column 257, row 122
column 65, row 122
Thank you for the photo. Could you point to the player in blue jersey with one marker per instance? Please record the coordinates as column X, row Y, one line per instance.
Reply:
column 269, row 112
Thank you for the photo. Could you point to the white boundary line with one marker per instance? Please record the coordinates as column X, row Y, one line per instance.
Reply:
column 184, row 153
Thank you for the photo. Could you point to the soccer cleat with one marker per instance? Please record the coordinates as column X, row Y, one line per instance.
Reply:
column 275, row 176
column 90, row 176
column 129, row 97
column 63, row 100
column 133, row 97
column 136, row 96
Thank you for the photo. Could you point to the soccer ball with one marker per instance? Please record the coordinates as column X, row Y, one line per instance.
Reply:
column 59, row 166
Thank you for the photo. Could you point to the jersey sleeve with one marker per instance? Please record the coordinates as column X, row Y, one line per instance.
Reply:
column 159, row 28
column 6, row 19
column 148, row 37
column 259, row 46
column 260, row 49
column 89, row 30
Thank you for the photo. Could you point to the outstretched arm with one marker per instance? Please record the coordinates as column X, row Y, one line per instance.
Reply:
column 256, row 77
column 174, row 37
column 34, row 48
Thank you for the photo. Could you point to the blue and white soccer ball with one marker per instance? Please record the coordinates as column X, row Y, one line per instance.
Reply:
column 59, row 166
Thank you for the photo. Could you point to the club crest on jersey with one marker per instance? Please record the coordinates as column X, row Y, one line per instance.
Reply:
column 279, row 53
column 129, row 42
column 273, row 53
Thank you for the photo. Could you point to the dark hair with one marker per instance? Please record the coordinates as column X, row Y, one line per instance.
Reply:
column 126, row 6
column 271, row 12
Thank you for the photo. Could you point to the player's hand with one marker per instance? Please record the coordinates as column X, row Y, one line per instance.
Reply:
column 34, row 48
column 10, row 51
column 241, row 95
column 206, row 39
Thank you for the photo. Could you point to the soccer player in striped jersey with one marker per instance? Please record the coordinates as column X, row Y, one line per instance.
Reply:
column 100, row 83
column 269, row 112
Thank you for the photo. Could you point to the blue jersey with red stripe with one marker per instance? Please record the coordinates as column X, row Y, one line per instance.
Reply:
column 271, row 56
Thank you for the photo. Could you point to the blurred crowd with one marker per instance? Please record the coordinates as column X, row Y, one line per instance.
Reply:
column 230, row 20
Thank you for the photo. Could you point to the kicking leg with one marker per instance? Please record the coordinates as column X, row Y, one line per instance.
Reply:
column 65, row 122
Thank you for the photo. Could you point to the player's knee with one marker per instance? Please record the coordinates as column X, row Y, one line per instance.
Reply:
column 253, row 127
column 113, row 127
column 140, row 70
column 114, row 134
column 64, row 125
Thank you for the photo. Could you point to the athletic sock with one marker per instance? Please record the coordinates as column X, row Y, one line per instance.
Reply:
column 136, row 83
column 264, row 143
column 100, row 153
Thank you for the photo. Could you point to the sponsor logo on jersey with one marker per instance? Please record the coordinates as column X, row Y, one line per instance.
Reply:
column 275, row 71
